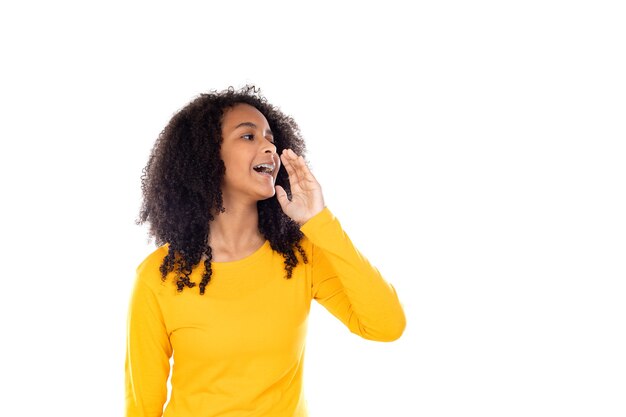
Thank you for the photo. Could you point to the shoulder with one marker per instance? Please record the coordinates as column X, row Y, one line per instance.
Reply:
column 148, row 270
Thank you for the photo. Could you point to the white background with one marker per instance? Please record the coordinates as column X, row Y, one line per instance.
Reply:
column 473, row 151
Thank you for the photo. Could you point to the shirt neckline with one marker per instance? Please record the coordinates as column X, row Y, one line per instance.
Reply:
column 253, row 257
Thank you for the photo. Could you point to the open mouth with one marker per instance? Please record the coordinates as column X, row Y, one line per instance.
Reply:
column 265, row 169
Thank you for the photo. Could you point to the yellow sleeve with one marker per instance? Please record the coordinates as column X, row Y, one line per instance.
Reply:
column 345, row 283
column 147, row 355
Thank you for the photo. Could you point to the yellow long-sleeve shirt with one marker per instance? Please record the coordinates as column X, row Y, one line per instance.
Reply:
column 239, row 348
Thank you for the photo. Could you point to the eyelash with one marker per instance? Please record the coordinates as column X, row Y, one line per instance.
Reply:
column 250, row 134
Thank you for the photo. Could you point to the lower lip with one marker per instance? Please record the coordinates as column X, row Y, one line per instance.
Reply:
column 265, row 175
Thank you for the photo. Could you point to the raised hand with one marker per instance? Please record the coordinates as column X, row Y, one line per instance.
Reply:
column 306, row 193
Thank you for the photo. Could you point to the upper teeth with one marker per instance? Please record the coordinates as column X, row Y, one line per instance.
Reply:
column 265, row 167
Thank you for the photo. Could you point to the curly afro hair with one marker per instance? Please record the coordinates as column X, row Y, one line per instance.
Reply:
column 181, row 184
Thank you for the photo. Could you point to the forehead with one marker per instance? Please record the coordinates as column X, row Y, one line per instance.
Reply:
column 241, row 113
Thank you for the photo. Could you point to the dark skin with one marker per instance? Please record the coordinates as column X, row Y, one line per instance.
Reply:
column 183, row 183
column 247, row 142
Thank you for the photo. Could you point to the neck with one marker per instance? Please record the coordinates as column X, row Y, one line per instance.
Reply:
column 235, row 229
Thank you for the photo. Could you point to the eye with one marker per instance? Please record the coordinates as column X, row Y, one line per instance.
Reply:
column 248, row 136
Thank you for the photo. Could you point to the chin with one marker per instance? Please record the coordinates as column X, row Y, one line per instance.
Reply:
column 265, row 193
column 268, row 196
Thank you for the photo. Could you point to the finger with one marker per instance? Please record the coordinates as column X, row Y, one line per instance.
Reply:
column 289, row 163
column 281, row 196
column 298, row 162
column 286, row 160
column 302, row 170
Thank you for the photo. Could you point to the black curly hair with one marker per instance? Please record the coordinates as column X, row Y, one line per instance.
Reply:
column 181, row 184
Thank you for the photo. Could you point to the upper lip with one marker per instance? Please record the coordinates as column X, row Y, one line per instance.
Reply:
column 268, row 162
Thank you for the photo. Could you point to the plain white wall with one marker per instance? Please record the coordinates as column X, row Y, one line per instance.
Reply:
column 473, row 151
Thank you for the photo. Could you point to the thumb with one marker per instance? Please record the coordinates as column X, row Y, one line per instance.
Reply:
column 281, row 196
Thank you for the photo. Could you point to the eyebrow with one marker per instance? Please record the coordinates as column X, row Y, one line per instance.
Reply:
column 252, row 125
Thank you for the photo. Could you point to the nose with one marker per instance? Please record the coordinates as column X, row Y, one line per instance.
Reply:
column 268, row 147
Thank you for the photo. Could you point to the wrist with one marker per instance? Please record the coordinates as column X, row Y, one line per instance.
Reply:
column 307, row 219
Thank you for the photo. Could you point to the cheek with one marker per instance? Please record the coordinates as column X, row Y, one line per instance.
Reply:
column 235, row 169
column 229, row 162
